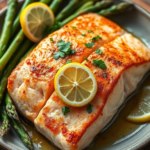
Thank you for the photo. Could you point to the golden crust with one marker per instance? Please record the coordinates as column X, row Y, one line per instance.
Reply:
column 31, row 83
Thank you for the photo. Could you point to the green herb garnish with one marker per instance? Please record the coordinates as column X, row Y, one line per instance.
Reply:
column 100, row 63
column 65, row 110
column 65, row 49
column 96, row 38
column 68, row 61
column 73, row 27
column 89, row 45
column 89, row 108
column 51, row 39
column 86, row 59
column 83, row 34
column 98, row 51
column 59, row 54
column 90, row 31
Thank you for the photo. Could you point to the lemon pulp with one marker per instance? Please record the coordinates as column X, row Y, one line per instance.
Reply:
column 141, row 113
column 34, row 19
column 75, row 84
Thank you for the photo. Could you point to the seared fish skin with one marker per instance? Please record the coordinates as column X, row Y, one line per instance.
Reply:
column 31, row 83
column 127, row 60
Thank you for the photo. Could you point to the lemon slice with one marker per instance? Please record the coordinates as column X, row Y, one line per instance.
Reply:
column 75, row 84
column 141, row 112
column 34, row 18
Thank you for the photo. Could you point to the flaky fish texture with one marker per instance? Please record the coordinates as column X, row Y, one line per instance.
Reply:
column 127, row 60
column 31, row 84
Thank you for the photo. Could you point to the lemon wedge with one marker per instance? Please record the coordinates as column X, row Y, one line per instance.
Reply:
column 75, row 84
column 34, row 18
column 141, row 113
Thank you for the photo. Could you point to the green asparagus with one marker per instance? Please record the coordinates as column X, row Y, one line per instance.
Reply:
column 12, row 48
column 67, row 10
column 10, row 108
column 97, row 6
column 11, row 66
column 5, row 127
column 116, row 9
column 55, row 4
column 7, row 26
column 16, row 23
column 86, row 5
column 22, row 133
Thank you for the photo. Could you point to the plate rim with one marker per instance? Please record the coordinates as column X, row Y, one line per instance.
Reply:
column 145, row 142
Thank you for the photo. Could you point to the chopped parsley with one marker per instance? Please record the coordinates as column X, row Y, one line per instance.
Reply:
column 86, row 59
column 89, row 45
column 57, row 55
column 90, row 31
column 51, row 40
column 96, row 38
column 73, row 27
column 83, row 34
column 100, row 63
column 65, row 110
column 89, row 108
column 68, row 61
column 98, row 51
column 65, row 49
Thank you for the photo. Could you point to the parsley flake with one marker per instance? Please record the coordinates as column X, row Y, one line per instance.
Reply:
column 65, row 49
column 96, row 38
column 57, row 55
column 73, row 27
column 83, row 34
column 51, row 40
column 68, row 61
column 89, row 108
column 100, row 63
column 98, row 51
column 90, row 31
column 86, row 59
column 89, row 45
column 65, row 110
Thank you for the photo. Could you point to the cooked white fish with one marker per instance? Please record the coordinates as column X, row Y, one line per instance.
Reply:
column 127, row 60
column 31, row 83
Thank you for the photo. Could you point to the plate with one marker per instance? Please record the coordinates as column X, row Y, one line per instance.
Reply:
column 119, row 135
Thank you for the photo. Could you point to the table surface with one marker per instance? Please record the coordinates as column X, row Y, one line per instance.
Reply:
column 143, row 3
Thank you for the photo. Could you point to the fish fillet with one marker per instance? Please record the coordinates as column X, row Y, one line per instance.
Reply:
column 127, row 60
column 31, row 83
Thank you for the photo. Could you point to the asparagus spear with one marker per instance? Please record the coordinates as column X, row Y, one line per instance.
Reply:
column 97, row 6
column 11, row 66
column 55, row 4
column 12, row 48
column 10, row 108
column 4, row 129
column 116, row 9
column 7, row 26
column 22, row 133
column 16, row 23
column 67, row 10
column 85, row 5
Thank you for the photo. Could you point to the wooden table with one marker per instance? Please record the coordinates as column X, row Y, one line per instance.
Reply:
column 143, row 3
